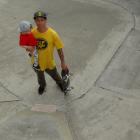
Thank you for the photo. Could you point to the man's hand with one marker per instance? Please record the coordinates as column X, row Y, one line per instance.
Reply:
column 64, row 66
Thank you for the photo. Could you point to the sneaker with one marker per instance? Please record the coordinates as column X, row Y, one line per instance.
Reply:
column 36, row 67
column 41, row 90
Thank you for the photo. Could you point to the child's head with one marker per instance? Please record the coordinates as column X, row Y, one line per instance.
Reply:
column 25, row 26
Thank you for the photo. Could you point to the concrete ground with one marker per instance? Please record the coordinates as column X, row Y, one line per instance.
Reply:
column 102, row 49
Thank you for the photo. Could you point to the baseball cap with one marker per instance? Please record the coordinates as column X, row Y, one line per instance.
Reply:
column 24, row 26
column 40, row 14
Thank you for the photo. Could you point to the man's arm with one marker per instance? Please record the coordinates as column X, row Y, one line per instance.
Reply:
column 62, row 59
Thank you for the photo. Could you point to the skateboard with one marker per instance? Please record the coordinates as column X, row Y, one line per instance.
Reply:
column 66, row 78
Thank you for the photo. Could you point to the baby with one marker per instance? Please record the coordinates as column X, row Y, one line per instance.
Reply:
column 27, row 41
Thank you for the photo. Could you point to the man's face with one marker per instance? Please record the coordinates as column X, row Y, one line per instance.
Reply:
column 40, row 22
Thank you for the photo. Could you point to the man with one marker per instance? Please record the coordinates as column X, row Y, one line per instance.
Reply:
column 48, row 40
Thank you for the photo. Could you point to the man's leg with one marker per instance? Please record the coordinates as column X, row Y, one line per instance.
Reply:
column 41, row 81
column 57, row 78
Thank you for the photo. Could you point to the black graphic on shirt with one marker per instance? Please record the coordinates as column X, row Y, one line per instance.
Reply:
column 42, row 43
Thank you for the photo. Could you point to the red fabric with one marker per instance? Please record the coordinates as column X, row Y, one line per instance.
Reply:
column 27, row 40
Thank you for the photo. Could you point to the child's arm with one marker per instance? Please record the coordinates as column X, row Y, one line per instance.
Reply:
column 29, row 49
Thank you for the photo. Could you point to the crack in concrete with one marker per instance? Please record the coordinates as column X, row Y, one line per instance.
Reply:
column 9, row 101
column 10, row 92
column 119, row 94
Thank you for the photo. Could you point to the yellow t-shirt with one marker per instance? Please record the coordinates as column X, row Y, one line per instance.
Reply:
column 47, row 42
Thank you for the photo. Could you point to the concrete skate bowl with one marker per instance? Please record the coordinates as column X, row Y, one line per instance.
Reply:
column 82, row 26
column 92, row 32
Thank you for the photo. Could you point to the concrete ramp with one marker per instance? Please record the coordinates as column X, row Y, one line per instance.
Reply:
column 92, row 31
